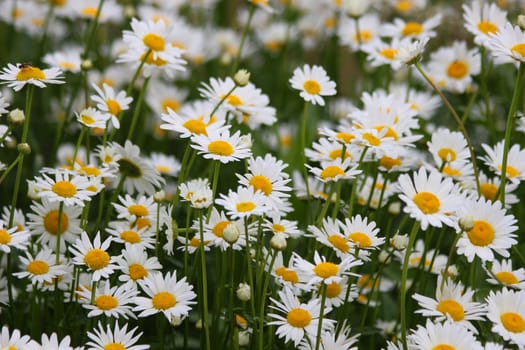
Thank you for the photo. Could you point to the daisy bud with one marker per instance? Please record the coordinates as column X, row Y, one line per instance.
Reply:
column 245, row 141
column 242, row 77
column 231, row 233
column 394, row 208
column 244, row 292
column 384, row 257
column 466, row 223
column 226, row 59
column 129, row 11
column 159, row 196
column 24, row 148
column 521, row 22
column 86, row 64
column 278, row 241
column 244, row 338
column 176, row 321
column 355, row 8
column 16, row 116
column 452, row 272
column 399, row 242
column 32, row 190
column 253, row 252
column 198, row 324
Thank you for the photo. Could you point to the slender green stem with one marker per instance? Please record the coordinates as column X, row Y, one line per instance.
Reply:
column 113, row 200
column 92, row 30
column 516, row 97
column 321, row 314
column 204, row 283
column 449, row 259
column 243, row 39
column 11, row 167
column 326, row 204
column 404, row 277
column 136, row 112
column 249, row 265
column 223, row 99
column 262, row 307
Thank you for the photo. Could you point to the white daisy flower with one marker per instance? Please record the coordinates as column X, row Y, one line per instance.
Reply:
column 18, row 76
column 193, row 244
column 483, row 21
column 508, row 44
column 12, row 238
column 166, row 294
column 274, row 223
column 412, row 29
column 335, row 170
column 489, row 189
column 110, row 301
column 492, row 231
column 214, row 231
column 51, row 343
column 448, row 146
column 197, row 192
column 40, row 268
column 3, row 104
column 331, row 340
column 337, row 292
column 323, row 271
column 502, row 273
column 429, row 198
column 299, row 320
column 515, row 161
column 446, row 335
column 94, row 256
column 222, row 146
column 122, row 233
column 135, row 264
column 165, row 164
column 15, row 340
column 111, row 103
column 506, row 311
column 421, row 258
column 132, row 208
column 452, row 302
column 244, row 202
column 92, row 118
column 118, row 338
column 331, row 235
column 313, row 82
column 66, row 187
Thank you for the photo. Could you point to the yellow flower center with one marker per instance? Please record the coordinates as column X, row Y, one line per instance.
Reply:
column 287, row 274
column 447, row 154
column 244, row 207
column 389, row 53
column 89, row 11
column 404, row 5
column 106, row 302
column 298, row 318
column 278, row 228
column 372, row 140
column 142, row 222
column 163, row 169
column 66, row 65
column 361, row 239
column 457, row 69
column 5, row 237
column 389, row 163
column 389, row 131
column 154, row 41
column 138, row 210
column 452, row 308
column 366, row 282
column 261, row 183
column 221, row 148
column 130, row 236
column 416, row 260
column 444, row 347
column 363, row 36
column 137, row 272
column 64, row 189
column 163, row 300
column 38, row 267
column 114, row 346
column 234, row 100
column 412, row 28
column 511, row 171
column 154, row 61
column 488, row 190
column 326, row 269
column 195, row 126
column 90, row 170
column 519, row 48
column 96, row 259
column 331, row 171
column 218, row 229
column 312, row 87
column 513, row 322
column 346, row 137
column 482, row 234
column 86, row 119
column 51, row 222
column 333, row 290
column 29, row 72
column 195, row 242
column 506, row 277
column 450, row 171
column 113, row 106
column 339, row 242
column 427, row 202
column 170, row 103
column 487, row 27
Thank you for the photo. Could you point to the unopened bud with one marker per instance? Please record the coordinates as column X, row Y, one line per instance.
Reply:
column 129, row 11
column 244, row 338
column 466, row 223
column 244, row 292
column 394, row 208
column 24, row 148
column 176, row 321
column 16, row 116
column 198, row 324
column 384, row 257
column 452, row 272
column 159, row 196
column 242, row 77
column 399, row 242
column 86, row 64
column 246, row 140
column 278, row 241
column 231, row 233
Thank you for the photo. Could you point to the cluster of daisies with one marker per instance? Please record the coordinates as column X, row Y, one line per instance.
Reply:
column 311, row 236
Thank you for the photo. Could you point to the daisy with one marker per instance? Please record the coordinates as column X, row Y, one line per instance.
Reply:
column 331, row 340
column 12, row 238
column 333, row 171
column 323, row 271
column 508, row 44
column 162, row 97
column 429, row 198
column 337, row 292
column 135, row 264
column 489, row 189
column 450, row 336
column 361, row 234
column 222, row 146
column 166, row 294
column 448, row 146
column 51, row 343
column 197, row 192
column 110, row 301
column 411, row 51
column 111, row 103
column 132, row 236
column 453, row 303
column 193, row 244
column 14, row 340
column 92, row 118
column 299, row 320
column 165, row 164
column 411, row 29
column 483, row 22
column 501, row 273
column 194, row 119
column 286, row 275
column 94, row 256
column 215, row 227
column 381, row 53
column 118, row 338
column 492, row 230
column 40, row 268
column 264, row 4
column 330, row 235
column 17, row 76
column 140, row 175
column 515, row 161
column 375, row 192
column 506, row 311
column 452, row 67
column 69, row 60
column 313, row 82
column 66, row 187
column 369, row 29
column 131, row 208
column 244, row 202
column 277, row 225
column 331, row 148
column 421, row 258
column 3, row 104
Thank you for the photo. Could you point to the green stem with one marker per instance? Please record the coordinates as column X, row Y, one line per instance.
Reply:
column 243, row 39
column 249, row 265
column 449, row 259
column 263, row 302
column 321, row 314
column 136, row 112
column 11, row 167
column 404, row 276
column 92, row 30
column 204, row 284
